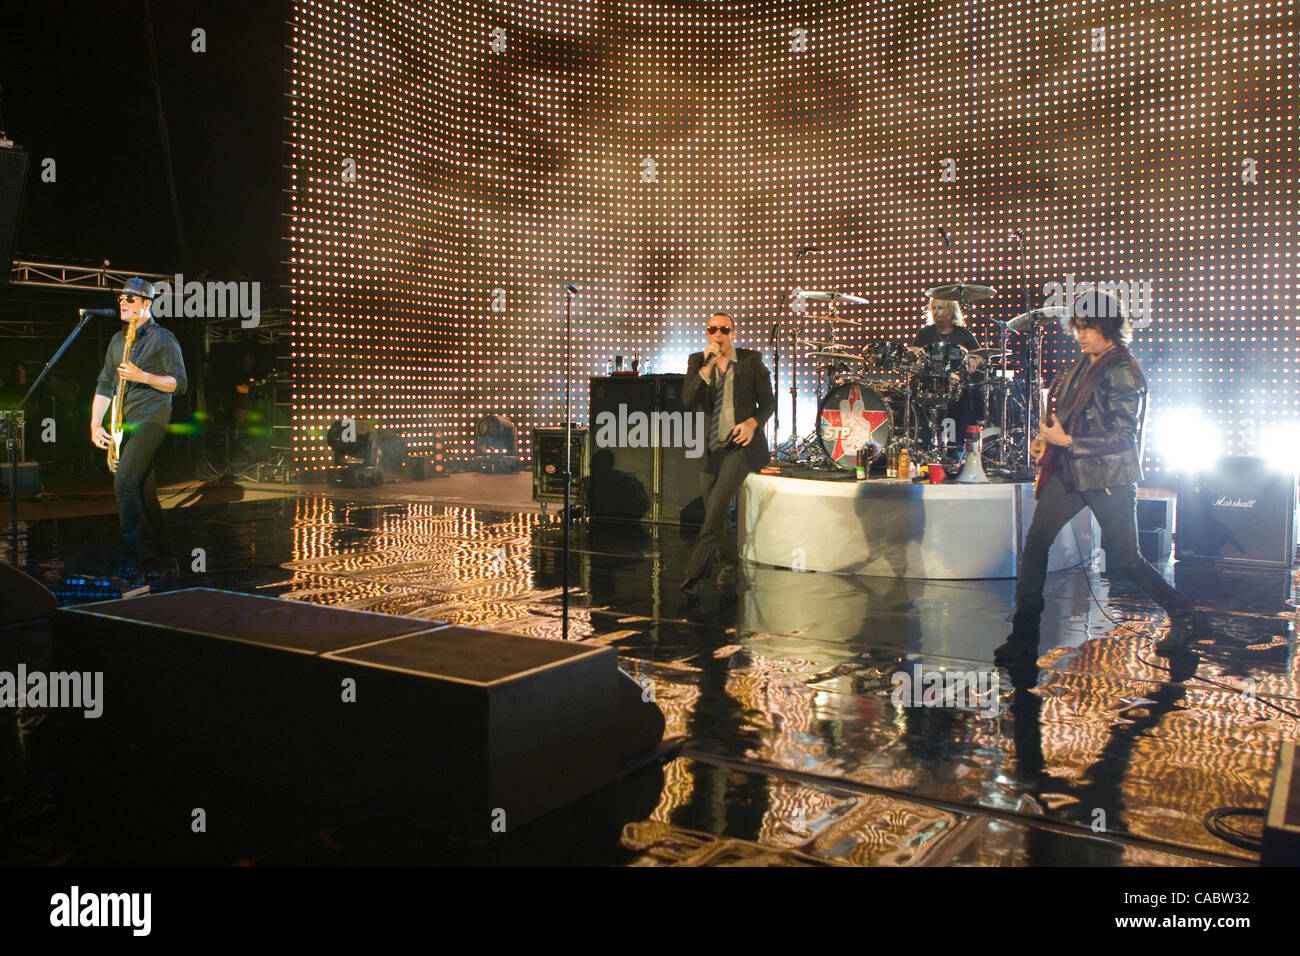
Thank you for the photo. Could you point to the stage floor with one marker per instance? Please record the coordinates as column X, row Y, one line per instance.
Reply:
column 793, row 750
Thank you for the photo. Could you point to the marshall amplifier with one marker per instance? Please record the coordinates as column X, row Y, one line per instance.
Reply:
column 1238, row 512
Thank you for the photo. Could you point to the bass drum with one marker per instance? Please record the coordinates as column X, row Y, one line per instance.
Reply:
column 854, row 413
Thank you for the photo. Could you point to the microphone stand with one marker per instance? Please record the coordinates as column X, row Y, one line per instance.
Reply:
column 11, row 440
column 1035, row 383
column 568, row 453
column 774, row 343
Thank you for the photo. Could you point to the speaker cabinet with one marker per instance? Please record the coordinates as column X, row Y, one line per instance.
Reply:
column 646, row 456
column 13, row 177
column 1238, row 512
column 29, row 479
column 468, row 727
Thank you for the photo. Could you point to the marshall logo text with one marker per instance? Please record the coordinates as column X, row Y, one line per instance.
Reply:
column 1226, row 502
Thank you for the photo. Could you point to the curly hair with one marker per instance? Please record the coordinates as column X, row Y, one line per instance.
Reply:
column 1099, row 310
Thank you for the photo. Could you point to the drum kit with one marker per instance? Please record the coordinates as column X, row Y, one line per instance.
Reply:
column 891, row 395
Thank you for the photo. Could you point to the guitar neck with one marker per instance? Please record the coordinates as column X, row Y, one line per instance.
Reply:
column 120, row 394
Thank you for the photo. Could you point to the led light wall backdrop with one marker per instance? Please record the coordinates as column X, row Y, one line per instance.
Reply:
column 453, row 165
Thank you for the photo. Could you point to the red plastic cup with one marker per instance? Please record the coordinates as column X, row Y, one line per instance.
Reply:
column 936, row 474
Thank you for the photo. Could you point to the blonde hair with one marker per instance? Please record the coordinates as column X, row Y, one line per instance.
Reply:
column 958, row 318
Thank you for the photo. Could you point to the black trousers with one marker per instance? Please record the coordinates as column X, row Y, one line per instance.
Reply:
column 137, row 495
column 724, row 473
column 1116, row 512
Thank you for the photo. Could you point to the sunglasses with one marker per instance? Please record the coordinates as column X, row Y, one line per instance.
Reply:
column 719, row 330
column 128, row 299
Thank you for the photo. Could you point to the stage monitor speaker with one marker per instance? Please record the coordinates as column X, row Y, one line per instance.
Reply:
column 1240, row 511
column 13, row 179
column 23, row 598
column 471, row 728
column 1281, row 842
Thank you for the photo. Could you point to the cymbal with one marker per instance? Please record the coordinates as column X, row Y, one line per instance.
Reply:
column 822, row 346
column 832, row 317
column 960, row 292
column 1043, row 318
column 836, row 356
column 829, row 297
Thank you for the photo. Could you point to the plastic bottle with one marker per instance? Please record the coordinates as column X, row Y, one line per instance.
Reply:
column 904, row 463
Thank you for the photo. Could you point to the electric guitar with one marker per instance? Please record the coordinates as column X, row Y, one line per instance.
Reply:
column 115, row 413
column 1047, row 457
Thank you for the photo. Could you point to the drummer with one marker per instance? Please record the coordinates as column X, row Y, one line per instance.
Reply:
column 947, row 326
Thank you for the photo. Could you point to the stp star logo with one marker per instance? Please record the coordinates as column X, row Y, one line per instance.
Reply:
column 851, row 425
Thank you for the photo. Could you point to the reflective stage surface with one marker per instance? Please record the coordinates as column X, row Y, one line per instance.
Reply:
column 823, row 719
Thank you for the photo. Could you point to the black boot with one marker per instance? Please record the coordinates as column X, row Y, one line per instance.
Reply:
column 1021, row 644
column 1016, row 649
column 1186, row 627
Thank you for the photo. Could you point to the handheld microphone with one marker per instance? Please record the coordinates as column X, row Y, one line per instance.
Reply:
column 944, row 236
column 573, row 289
column 98, row 311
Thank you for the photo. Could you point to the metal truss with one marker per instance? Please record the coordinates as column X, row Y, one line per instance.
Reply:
column 60, row 275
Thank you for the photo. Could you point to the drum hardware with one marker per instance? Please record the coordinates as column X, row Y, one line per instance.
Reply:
column 833, row 297
column 832, row 351
column 1043, row 318
column 837, row 356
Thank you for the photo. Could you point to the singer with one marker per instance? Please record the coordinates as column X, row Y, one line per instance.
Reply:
column 735, row 388
column 155, row 372
column 1087, row 452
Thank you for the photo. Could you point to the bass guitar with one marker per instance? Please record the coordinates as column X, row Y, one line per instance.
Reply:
column 115, row 413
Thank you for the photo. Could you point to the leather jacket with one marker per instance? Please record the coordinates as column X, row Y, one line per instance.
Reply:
column 1106, row 429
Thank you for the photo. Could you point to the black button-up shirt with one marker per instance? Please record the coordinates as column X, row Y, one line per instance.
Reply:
column 155, row 351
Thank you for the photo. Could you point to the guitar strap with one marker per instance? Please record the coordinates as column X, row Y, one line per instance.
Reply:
column 1078, row 395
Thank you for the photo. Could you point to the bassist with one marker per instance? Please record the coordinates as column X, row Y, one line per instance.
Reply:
column 153, row 372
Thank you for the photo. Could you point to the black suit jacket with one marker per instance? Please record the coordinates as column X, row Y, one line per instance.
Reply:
column 752, row 391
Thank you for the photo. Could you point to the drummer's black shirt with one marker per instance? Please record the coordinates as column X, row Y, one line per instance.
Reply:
column 155, row 351
column 960, row 335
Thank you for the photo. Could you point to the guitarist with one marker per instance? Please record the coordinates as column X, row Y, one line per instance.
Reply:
column 1087, row 451
column 154, row 373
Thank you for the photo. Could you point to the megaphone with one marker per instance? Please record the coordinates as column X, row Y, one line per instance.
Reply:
column 972, row 466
